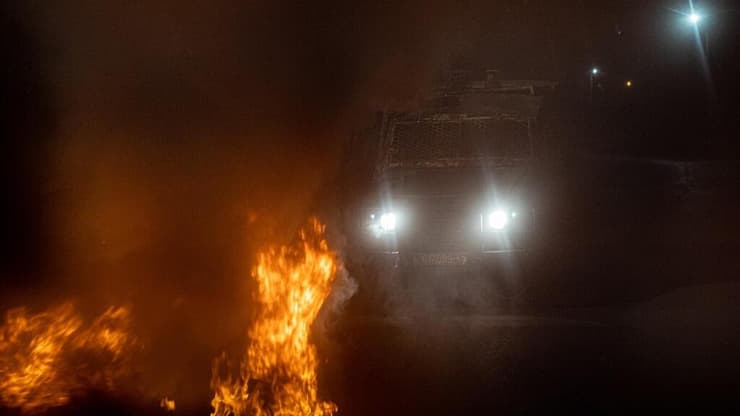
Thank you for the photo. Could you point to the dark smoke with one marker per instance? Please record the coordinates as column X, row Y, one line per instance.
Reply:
column 152, row 147
column 183, row 135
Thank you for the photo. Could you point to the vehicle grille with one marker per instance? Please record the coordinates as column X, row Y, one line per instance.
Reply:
column 443, row 225
column 456, row 139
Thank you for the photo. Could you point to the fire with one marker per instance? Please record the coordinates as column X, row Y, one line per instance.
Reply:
column 278, row 372
column 167, row 404
column 48, row 357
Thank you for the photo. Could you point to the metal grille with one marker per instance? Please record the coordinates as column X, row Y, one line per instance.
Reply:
column 443, row 225
column 465, row 139
column 432, row 140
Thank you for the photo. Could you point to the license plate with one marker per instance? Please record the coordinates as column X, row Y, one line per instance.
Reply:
column 440, row 259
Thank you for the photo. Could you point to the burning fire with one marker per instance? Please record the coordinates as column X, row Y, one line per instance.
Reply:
column 167, row 404
column 48, row 357
column 278, row 372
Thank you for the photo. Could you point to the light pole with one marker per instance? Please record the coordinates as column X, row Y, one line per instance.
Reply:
column 701, row 34
column 592, row 74
column 695, row 19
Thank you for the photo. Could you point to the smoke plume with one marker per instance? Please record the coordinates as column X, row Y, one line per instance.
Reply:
column 183, row 135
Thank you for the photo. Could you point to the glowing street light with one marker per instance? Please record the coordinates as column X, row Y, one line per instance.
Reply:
column 695, row 19
column 699, row 22
column 594, row 72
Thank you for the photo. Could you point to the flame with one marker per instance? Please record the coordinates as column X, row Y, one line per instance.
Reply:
column 278, row 373
column 167, row 404
column 46, row 358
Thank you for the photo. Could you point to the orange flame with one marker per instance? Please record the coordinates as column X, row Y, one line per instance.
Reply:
column 38, row 365
column 278, row 374
column 167, row 404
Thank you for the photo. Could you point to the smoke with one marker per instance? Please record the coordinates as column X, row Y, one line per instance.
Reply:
column 187, row 134
column 343, row 288
column 177, row 122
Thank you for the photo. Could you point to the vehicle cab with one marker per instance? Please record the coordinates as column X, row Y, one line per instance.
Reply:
column 453, row 177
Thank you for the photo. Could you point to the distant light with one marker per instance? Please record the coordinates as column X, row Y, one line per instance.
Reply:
column 628, row 84
column 694, row 18
column 595, row 71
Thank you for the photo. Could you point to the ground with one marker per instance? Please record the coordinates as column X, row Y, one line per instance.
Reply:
column 677, row 351
column 652, row 355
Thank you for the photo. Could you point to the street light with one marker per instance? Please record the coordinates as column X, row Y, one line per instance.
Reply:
column 594, row 72
column 695, row 18
column 699, row 22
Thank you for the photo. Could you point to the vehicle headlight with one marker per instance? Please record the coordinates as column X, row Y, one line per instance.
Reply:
column 499, row 219
column 388, row 222
column 383, row 224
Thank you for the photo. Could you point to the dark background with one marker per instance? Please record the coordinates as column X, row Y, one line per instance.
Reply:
column 171, row 69
column 148, row 149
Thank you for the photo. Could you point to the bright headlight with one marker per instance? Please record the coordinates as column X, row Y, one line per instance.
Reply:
column 388, row 222
column 498, row 219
